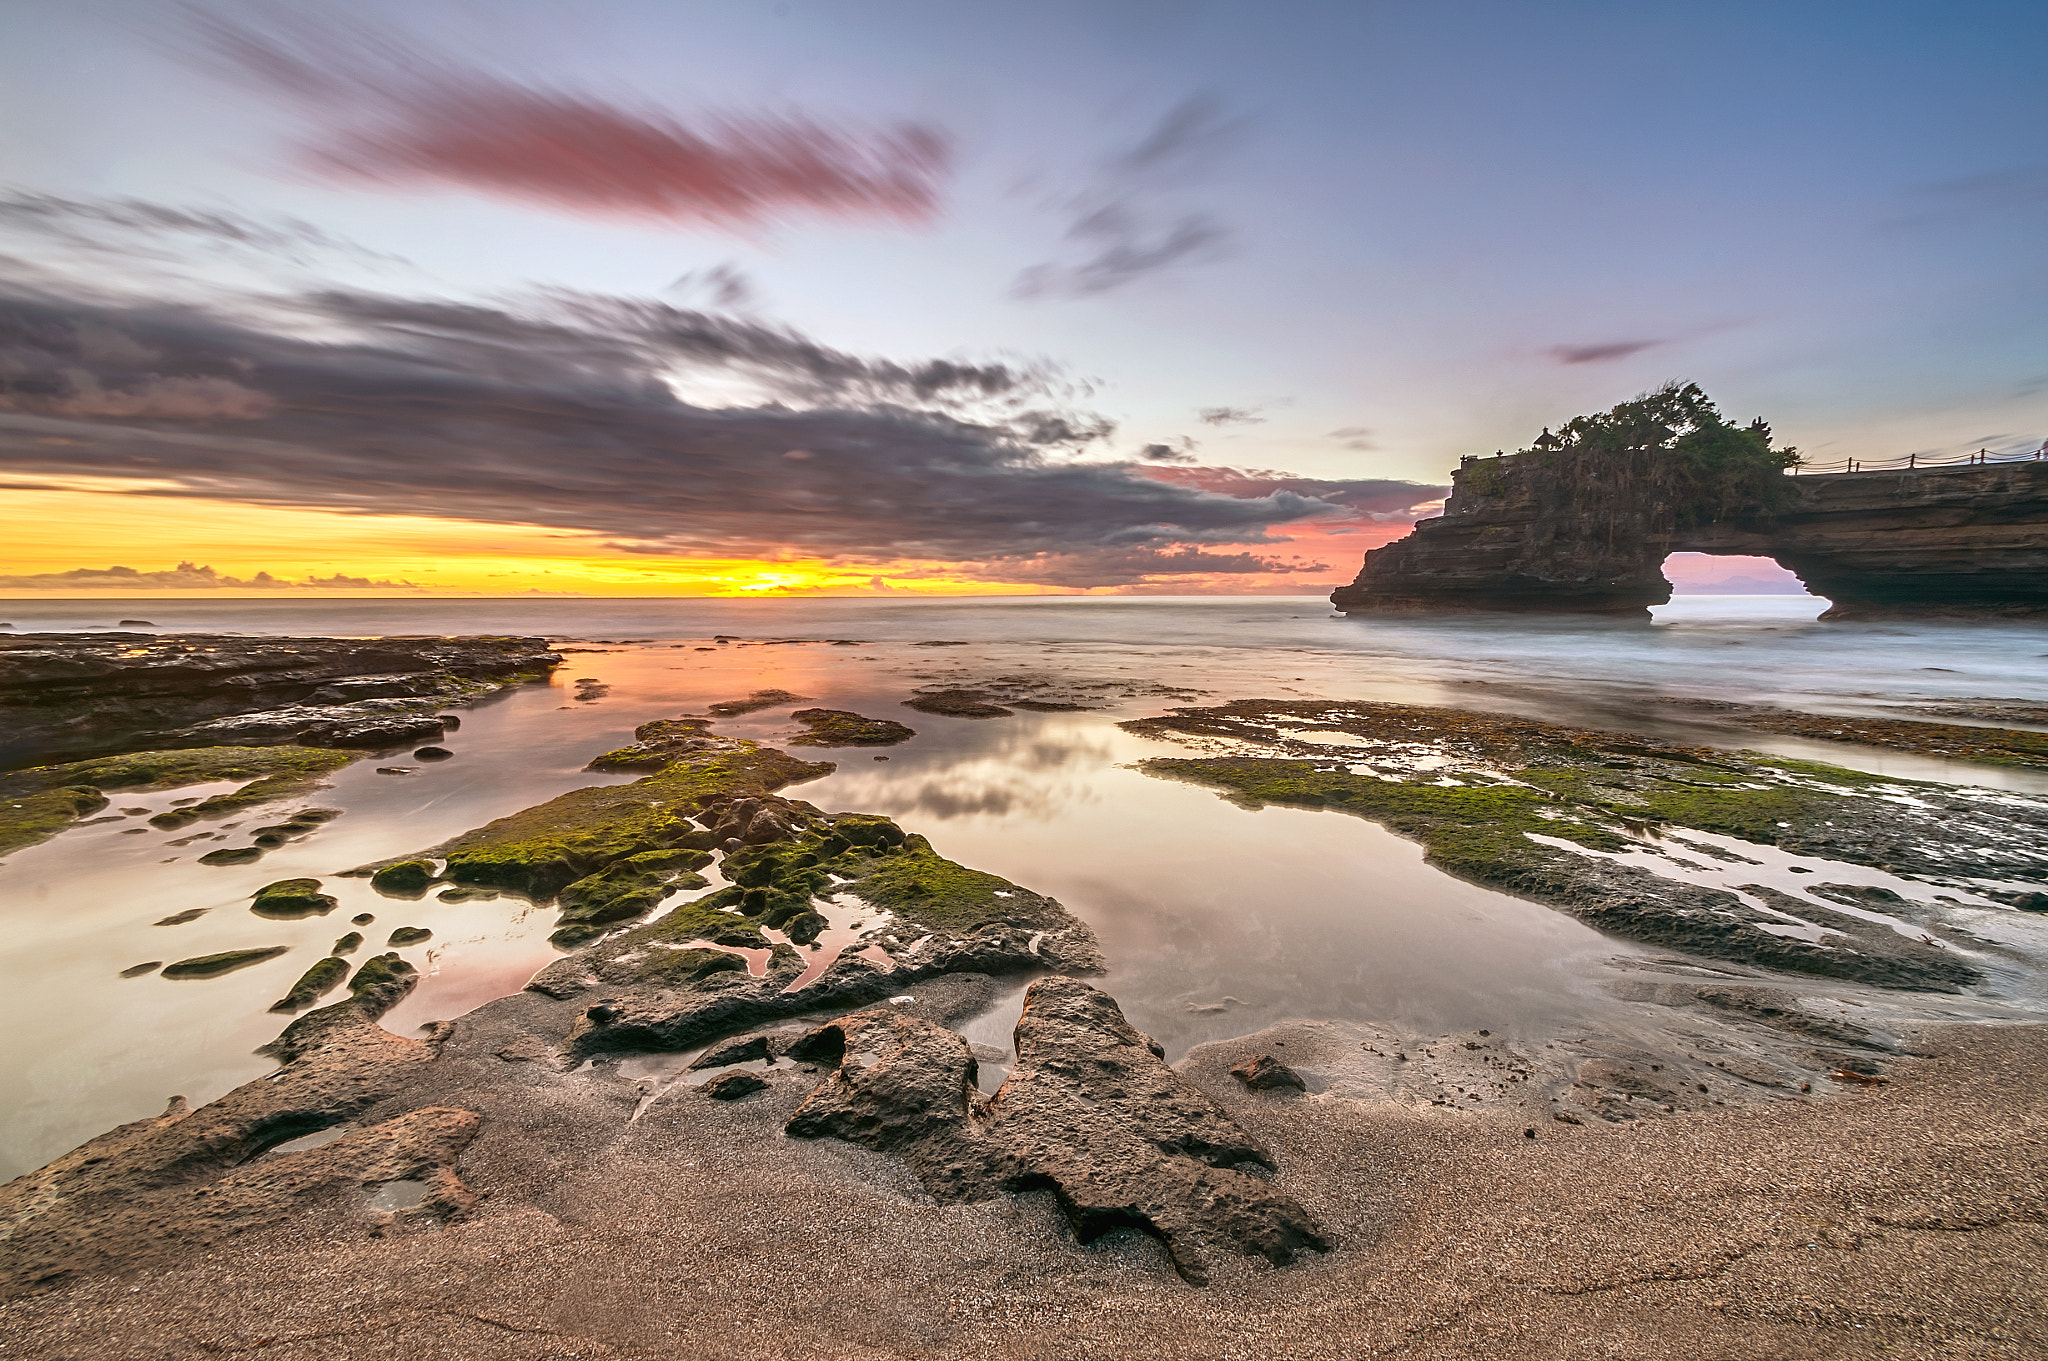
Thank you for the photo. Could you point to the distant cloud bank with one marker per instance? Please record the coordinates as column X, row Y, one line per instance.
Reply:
column 186, row 577
column 564, row 413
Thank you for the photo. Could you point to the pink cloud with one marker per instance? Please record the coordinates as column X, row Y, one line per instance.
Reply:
column 394, row 113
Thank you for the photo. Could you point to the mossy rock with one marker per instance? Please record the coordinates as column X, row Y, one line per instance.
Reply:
column 542, row 850
column 406, row 879
column 923, row 886
column 409, row 935
column 655, row 745
column 704, row 919
column 632, row 887
column 805, row 927
column 33, row 802
column 676, row 967
column 290, row 898
column 348, row 944
column 322, row 978
column 233, row 855
column 28, row 818
column 862, row 829
column 844, row 728
column 381, row 980
column 227, row 961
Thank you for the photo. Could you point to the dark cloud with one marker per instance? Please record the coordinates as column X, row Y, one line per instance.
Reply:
column 121, row 226
column 1181, row 450
column 564, row 416
column 386, row 109
column 723, row 286
column 1129, row 567
column 1122, row 224
column 185, row 576
column 628, row 342
column 1601, row 353
column 1229, row 415
column 1379, row 499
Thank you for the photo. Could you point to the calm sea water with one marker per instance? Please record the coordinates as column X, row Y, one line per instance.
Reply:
column 1217, row 921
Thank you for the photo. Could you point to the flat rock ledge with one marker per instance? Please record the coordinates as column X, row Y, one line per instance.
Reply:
column 1090, row 1113
column 156, row 1189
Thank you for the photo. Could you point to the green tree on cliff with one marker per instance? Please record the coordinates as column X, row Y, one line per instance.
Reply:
column 1700, row 467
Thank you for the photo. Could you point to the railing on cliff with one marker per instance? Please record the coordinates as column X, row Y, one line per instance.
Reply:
column 1917, row 461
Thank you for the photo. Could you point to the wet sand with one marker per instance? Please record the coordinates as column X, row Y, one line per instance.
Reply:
column 1903, row 1220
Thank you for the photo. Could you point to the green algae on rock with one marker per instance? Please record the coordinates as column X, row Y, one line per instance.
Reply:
column 1582, row 819
column 409, row 935
column 289, row 898
column 28, row 818
column 844, row 728
column 39, row 802
column 656, row 744
column 916, row 893
column 348, row 944
column 227, row 961
column 542, row 850
column 1943, row 741
column 760, row 699
column 406, row 879
column 627, row 889
column 381, row 980
column 611, row 853
column 324, row 977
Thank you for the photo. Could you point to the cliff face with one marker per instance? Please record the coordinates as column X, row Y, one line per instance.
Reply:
column 1536, row 532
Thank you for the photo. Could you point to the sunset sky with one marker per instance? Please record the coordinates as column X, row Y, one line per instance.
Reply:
column 658, row 297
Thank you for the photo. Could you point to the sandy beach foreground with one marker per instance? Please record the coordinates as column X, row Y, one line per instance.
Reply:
column 1902, row 1220
column 1784, row 1108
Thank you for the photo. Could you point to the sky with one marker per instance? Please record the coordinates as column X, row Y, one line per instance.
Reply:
column 660, row 297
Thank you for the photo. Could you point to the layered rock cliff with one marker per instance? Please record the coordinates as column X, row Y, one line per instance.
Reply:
column 1543, row 531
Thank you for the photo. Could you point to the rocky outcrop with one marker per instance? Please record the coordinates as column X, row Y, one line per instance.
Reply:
column 72, row 695
column 1596, row 824
column 1264, row 1073
column 1542, row 531
column 1091, row 1113
column 157, row 1188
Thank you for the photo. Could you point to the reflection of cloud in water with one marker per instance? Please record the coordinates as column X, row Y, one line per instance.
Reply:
column 1007, row 774
column 937, row 800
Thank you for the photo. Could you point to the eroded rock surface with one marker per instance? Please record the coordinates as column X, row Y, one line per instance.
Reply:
column 1090, row 1113
column 156, row 1188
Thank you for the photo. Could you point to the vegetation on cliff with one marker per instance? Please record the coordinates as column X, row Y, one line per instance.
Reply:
column 1671, row 443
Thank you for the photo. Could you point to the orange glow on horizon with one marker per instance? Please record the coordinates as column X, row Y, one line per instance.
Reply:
column 53, row 531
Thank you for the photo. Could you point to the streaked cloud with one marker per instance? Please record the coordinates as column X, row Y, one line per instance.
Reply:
column 385, row 108
column 1601, row 353
column 564, row 414
column 1126, row 222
